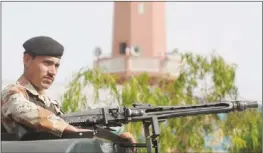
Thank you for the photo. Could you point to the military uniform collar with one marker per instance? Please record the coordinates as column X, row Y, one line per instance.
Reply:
column 28, row 86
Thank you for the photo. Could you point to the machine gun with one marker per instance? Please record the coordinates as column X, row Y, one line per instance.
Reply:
column 149, row 115
column 101, row 120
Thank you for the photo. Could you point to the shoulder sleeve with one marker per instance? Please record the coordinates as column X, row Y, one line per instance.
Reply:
column 18, row 107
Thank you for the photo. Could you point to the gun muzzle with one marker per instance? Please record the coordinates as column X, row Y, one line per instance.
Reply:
column 242, row 105
column 253, row 104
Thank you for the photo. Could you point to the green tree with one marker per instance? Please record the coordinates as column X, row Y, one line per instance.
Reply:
column 245, row 130
column 203, row 79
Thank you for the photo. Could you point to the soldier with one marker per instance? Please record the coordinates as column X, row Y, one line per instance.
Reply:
column 25, row 102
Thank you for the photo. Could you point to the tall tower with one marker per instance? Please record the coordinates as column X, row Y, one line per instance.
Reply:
column 139, row 43
column 139, row 26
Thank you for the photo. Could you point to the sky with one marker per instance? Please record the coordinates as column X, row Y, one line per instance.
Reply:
column 233, row 29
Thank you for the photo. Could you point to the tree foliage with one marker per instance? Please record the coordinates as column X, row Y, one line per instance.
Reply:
column 203, row 79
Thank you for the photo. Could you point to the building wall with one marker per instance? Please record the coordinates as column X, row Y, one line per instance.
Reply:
column 140, row 24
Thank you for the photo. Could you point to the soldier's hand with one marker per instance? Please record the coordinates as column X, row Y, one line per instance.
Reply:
column 130, row 137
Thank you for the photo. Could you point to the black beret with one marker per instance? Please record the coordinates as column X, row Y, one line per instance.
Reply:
column 43, row 46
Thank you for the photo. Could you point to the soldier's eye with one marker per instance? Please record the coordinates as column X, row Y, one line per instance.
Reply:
column 57, row 65
column 48, row 63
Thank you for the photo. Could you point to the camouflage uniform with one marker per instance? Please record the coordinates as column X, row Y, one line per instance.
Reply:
column 21, row 104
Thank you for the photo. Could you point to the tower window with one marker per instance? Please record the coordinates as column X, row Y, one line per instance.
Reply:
column 123, row 46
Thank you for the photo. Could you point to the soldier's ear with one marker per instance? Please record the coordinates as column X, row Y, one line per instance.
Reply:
column 27, row 59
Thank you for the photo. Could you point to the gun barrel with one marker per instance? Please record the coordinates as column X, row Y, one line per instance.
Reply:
column 253, row 104
column 188, row 110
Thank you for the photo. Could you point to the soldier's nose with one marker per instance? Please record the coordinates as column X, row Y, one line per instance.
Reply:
column 52, row 71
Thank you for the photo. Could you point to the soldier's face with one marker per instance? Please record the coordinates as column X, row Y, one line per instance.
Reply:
column 42, row 71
